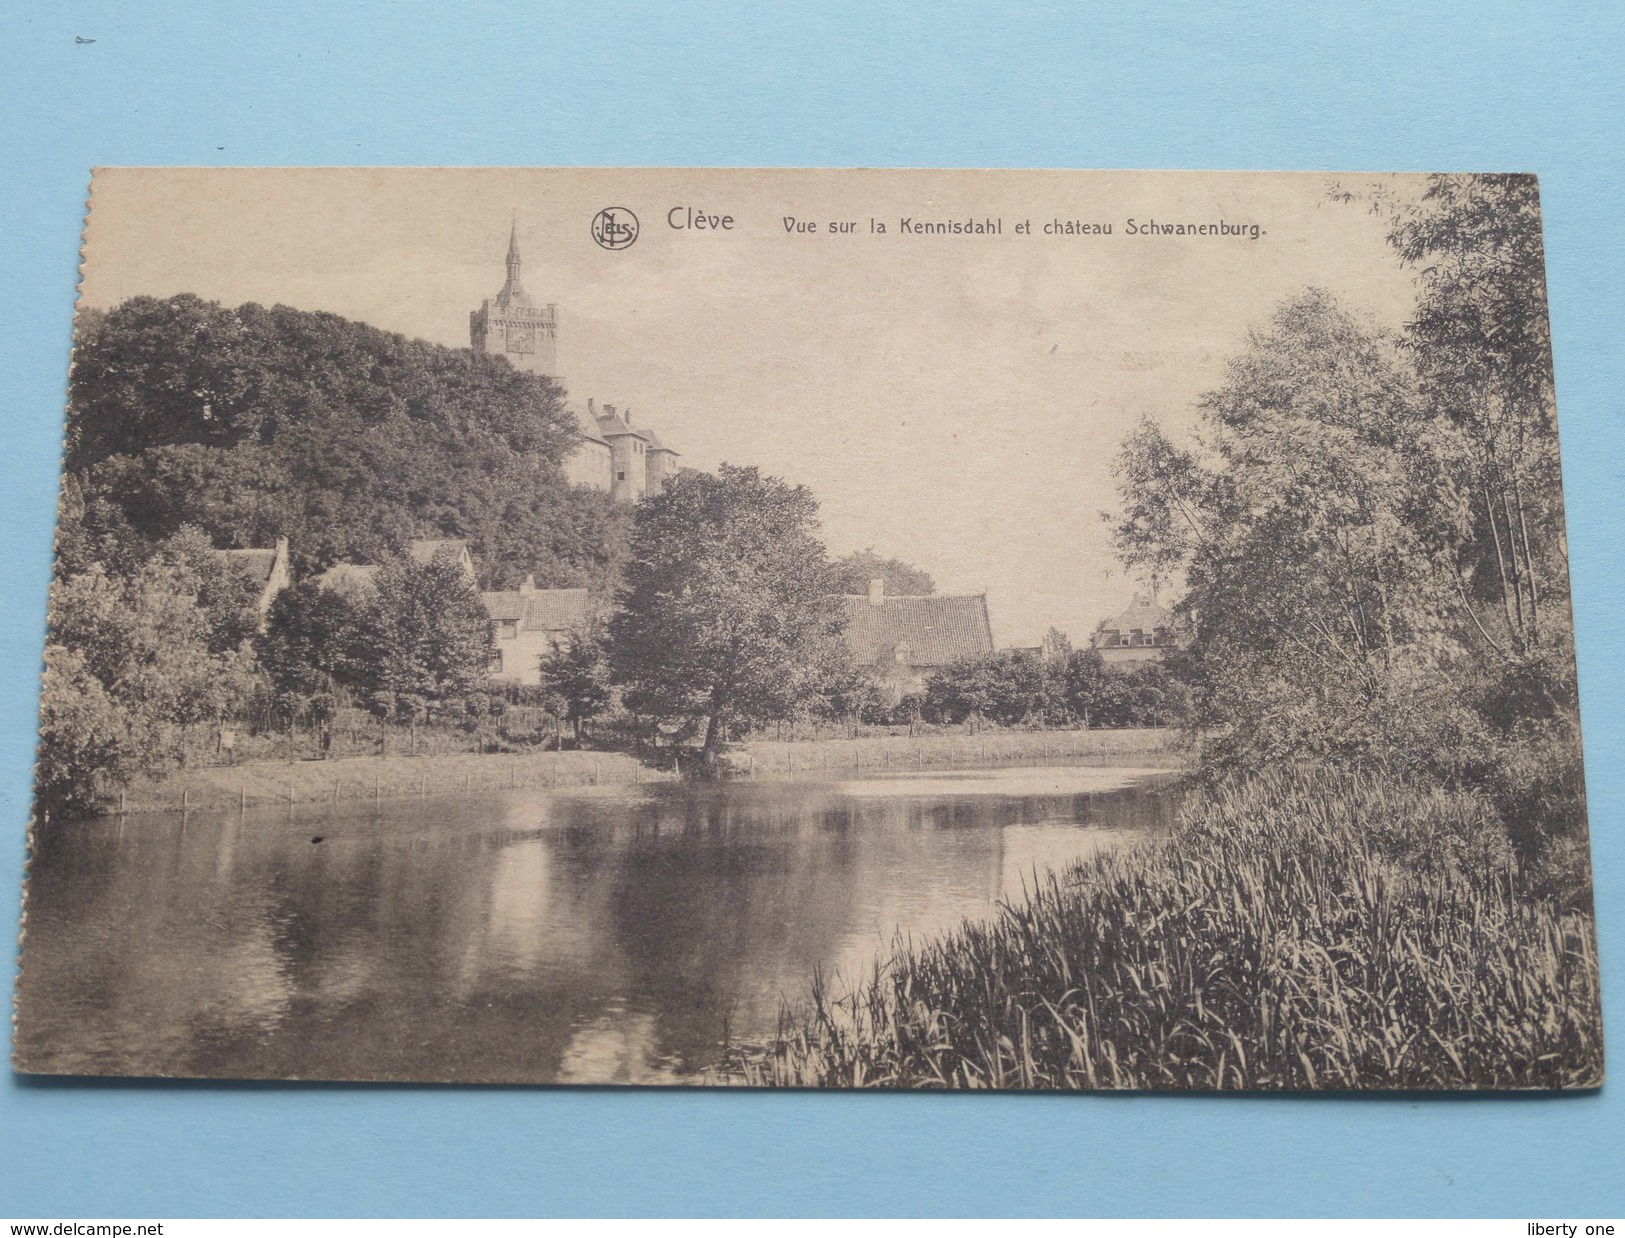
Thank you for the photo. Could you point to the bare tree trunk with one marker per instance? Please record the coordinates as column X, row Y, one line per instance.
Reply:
column 1513, row 625
column 1528, row 565
column 713, row 726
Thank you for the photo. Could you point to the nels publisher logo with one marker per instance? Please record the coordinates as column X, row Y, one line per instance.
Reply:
column 615, row 227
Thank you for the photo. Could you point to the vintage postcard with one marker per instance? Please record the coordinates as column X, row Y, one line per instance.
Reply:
column 912, row 629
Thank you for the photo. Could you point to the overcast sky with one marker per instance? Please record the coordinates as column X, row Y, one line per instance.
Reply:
column 954, row 400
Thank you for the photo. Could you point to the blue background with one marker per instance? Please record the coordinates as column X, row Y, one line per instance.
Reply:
column 1194, row 85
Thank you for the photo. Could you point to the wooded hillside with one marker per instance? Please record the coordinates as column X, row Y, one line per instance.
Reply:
column 255, row 423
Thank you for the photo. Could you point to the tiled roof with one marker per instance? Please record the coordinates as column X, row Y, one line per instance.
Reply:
column 504, row 604
column 545, row 610
column 588, row 427
column 254, row 564
column 937, row 630
column 557, row 610
column 612, row 424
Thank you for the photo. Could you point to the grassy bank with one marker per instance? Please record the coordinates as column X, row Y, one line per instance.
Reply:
column 304, row 781
column 368, row 778
column 900, row 752
column 1292, row 932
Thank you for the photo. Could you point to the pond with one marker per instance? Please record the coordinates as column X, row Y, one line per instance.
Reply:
column 599, row 935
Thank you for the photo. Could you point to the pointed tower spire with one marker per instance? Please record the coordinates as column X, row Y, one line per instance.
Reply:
column 513, row 292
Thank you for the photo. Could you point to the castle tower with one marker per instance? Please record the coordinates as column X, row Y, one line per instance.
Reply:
column 628, row 454
column 513, row 326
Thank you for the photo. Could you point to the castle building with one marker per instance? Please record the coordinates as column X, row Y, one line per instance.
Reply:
column 631, row 461
column 514, row 326
column 609, row 453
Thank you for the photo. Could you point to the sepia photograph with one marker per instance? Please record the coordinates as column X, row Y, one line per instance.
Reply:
column 811, row 629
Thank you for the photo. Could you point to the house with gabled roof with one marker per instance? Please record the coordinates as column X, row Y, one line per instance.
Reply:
column 529, row 624
column 359, row 578
column 267, row 569
column 903, row 639
column 1144, row 632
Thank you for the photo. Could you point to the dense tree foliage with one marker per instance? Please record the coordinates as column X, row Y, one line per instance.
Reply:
column 1369, row 528
column 727, row 616
column 851, row 575
column 131, row 663
column 1062, row 687
column 426, row 639
column 315, row 643
column 254, row 423
column 577, row 675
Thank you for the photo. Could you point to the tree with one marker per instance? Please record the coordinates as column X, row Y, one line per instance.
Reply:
column 86, row 749
column 577, row 674
column 726, row 616
column 228, row 597
column 851, row 694
column 129, row 667
column 1482, row 344
column 315, row 641
column 1316, row 611
column 851, row 575
column 1370, row 528
column 427, row 638
column 1007, row 687
column 1083, row 685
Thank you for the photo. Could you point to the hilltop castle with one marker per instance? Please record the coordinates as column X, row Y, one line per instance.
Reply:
column 609, row 454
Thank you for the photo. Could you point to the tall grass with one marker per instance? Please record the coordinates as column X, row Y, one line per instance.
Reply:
column 1294, row 931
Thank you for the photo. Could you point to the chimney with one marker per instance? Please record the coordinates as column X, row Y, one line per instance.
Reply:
column 627, row 415
column 529, row 585
column 592, row 409
column 877, row 591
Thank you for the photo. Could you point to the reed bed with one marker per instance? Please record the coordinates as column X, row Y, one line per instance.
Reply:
column 1294, row 931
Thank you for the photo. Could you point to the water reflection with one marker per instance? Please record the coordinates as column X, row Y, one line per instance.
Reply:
column 604, row 935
